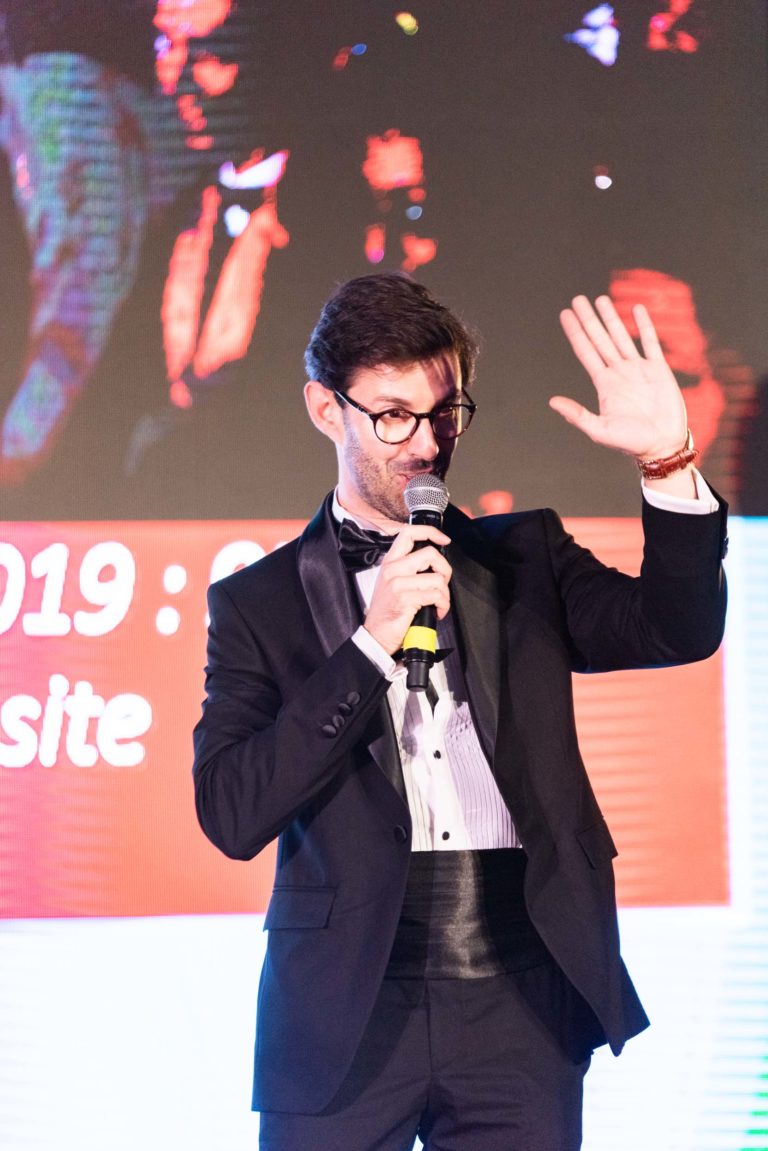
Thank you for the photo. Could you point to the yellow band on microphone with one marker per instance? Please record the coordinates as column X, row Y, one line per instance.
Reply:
column 422, row 638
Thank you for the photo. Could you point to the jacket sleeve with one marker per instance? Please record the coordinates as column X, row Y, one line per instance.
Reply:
column 260, row 759
column 674, row 612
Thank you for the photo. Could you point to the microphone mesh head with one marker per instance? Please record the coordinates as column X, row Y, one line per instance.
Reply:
column 426, row 493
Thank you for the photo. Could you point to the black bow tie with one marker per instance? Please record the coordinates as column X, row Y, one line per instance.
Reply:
column 360, row 549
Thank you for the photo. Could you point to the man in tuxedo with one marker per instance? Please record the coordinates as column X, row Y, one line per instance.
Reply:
column 443, row 950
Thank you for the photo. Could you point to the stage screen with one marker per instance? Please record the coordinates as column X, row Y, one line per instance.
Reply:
column 182, row 185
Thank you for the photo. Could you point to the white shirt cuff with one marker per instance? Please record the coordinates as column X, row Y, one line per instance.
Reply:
column 703, row 504
column 375, row 652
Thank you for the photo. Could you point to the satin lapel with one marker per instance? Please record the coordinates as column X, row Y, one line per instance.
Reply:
column 336, row 614
column 329, row 592
column 476, row 603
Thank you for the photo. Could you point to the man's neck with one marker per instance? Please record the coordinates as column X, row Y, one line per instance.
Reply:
column 367, row 519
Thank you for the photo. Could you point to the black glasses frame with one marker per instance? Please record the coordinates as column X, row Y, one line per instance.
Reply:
column 470, row 407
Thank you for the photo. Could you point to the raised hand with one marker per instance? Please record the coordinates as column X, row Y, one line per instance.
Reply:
column 640, row 406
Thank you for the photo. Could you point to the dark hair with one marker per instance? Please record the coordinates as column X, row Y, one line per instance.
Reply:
column 385, row 318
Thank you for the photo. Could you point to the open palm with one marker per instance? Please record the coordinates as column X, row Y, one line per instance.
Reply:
column 640, row 406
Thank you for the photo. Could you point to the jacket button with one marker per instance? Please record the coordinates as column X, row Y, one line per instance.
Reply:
column 401, row 834
column 338, row 721
column 353, row 698
column 328, row 729
column 344, row 708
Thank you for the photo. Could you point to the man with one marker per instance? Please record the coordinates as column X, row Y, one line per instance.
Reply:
column 443, row 951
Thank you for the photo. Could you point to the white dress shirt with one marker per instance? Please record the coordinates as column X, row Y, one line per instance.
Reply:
column 453, row 798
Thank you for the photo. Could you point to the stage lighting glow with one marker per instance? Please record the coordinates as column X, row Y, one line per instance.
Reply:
column 256, row 173
column 662, row 34
column 180, row 395
column 236, row 220
column 408, row 22
column 374, row 243
column 599, row 35
column 393, row 161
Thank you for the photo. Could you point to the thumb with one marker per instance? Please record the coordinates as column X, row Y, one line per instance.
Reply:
column 577, row 415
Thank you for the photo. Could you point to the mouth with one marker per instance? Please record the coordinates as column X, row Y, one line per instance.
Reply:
column 404, row 477
column 425, row 469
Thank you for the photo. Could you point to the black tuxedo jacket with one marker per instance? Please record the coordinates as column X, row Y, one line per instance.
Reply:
column 296, row 741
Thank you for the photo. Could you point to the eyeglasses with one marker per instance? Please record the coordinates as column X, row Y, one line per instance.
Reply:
column 396, row 425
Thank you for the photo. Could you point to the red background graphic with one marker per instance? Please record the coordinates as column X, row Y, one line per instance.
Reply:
column 103, row 840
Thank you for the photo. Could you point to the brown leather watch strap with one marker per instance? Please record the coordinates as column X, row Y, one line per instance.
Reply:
column 661, row 468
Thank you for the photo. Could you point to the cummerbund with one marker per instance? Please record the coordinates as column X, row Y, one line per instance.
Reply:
column 464, row 917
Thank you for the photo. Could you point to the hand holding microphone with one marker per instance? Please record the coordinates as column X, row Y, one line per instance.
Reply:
column 411, row 591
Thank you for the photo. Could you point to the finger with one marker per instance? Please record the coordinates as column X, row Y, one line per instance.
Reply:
column 592, row 325
column 582, row 345
column 410, row 533
column 427, row 583
column 412, row 593
column 616, row 328
column 648, row 337
column 419, row 561
column 436, row 596
column 579, row 416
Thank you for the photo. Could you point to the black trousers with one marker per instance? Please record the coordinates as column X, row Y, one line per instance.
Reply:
column 465, row 1064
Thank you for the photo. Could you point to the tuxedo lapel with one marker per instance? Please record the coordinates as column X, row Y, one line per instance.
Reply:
column 330, row 595
column 476, row 603
column 336, row 615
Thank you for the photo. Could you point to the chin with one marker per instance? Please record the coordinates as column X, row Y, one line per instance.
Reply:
column 399, row 514
column 395, row 511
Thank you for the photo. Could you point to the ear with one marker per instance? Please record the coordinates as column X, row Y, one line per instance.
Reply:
column 324, row 410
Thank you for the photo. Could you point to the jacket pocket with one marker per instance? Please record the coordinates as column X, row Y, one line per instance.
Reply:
column 597, row 843
column 299, row 907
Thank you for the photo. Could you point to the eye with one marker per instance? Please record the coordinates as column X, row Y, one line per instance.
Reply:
column 449, row 412
column 395, row 415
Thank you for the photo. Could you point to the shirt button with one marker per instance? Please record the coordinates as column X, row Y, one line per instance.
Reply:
column 437, row 755
column 401, row 834
column 446, row 835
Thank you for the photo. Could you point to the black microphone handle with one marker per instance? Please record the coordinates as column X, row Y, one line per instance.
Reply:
column 419, row 659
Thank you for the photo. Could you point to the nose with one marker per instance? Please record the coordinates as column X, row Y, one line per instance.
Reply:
column 422, row 443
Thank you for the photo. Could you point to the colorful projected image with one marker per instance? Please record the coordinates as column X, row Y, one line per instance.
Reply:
column 100, row 144
column 145, row 161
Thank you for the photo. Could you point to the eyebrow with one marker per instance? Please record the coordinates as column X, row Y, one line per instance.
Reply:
column 395, row 402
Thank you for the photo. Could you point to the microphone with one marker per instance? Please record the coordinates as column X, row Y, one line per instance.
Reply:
column 426, row 498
